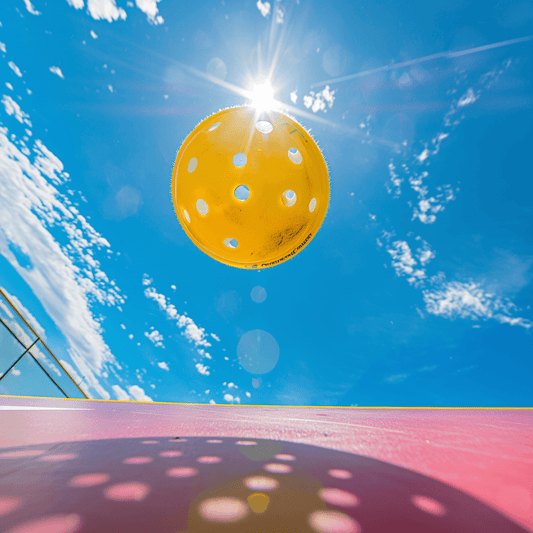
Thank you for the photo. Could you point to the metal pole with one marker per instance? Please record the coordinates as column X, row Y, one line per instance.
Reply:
column 23, row 354
column 42, row 342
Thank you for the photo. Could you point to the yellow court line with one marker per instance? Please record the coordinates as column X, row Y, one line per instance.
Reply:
column 233, row 405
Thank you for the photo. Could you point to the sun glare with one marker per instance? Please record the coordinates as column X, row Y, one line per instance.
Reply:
column 262, row 97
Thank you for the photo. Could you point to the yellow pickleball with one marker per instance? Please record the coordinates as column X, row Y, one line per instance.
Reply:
column 250, row 191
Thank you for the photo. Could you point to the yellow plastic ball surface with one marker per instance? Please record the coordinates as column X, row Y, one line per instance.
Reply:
column 250, row 191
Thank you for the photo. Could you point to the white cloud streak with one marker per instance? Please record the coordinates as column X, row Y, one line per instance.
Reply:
column 13, row 109
column 149, row 7
column 57, row 72
column 191, row 331
column 77, row 4
column 14, row 68
column 66, row 278
column 105, row 10
column 138, row 394
column 30, row 8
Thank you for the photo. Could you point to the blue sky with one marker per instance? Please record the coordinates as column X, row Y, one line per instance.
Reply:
column 417, row 289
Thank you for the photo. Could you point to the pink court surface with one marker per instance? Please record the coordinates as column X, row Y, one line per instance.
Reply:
column 69, row 466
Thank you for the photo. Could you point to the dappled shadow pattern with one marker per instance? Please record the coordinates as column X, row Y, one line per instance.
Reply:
column 220, row 484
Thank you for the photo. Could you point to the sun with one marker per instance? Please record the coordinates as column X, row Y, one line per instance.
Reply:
column 262, row 96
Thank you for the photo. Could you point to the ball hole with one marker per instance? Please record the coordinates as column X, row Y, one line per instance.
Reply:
column 264, row 126
column 214, row 126
column 239, row 160
column 288, row 198
column 242, row 193
column 295, row 156
column 312, row 205
column 186, row 215
column 193, row 163
column 201, row 206
column 231, row 243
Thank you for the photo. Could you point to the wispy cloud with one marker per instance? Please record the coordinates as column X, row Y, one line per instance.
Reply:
column 30, row 8
column 454, row 299
column 29, row 317
column 404, row 263
column 134, row 393
column 120, row 393
column 12, row 108
column 57, row 72
column 77, row 4
column 149, row 7
column 93, row 34
column 105, row 10
column 191, row 331
column 14, row 68
column 66, row 278
column 138, row 394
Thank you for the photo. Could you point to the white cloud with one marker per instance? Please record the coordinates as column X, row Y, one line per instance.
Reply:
column 105, row 10
column 395, row 180
column 120, row 393
column 79, row 380
column 93, row 35
column 122, row 326
column 16, row 372
column 147, row 280
column 319, row 101
column 212, row 402
column 215, row 337
column 248, row 394
column 26, row 314
column 66, row 278
column 468, row 98
column 139, row 394
column 163, row 365
column 398, row 378
column 425, row 254
column 294, row 96
column 404, row 263
column 191, row 331
column 155, row 337
column 15, row 69
column 469, row 300
column 149, row 7
column 130, row 336
column 78, row 4
column 30, row 8
column 264, row 8
column 280, row 14
column 173, row 287
column 12, row 108
column 228, row 397
column 57, row 72
column 202, row 369
column 110, row 87
column 2, row 47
